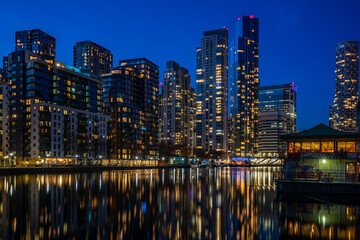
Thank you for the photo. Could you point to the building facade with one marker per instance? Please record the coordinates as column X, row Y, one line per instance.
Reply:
column 4, row 125
column 38, row 42
column 277, row 116
column 344, row 112
column 177, row 110
column 92, row 58
column 271, row 126
column 131, row 99
column 280, row 98
column 35, row 78
column 61, row 133
column 212, row 95
column 244, row 74
column 5, row 63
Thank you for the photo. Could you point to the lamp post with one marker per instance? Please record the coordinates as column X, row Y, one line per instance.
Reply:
column 46, row 156
column 6, row 157
column 76, row 159
column 100, row 160
column 11, row 159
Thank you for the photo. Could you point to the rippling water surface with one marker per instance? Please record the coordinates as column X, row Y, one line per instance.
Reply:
column 213, row 203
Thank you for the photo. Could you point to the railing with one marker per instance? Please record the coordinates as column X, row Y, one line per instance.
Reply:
column 318, row 176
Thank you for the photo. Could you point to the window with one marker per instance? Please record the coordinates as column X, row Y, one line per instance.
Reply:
column 310, row 146
column 327, row 147
column 291, row 147
column 346, row 146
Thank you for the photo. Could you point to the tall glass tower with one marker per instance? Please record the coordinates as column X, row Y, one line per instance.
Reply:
column 244, row 77
column 344, row 112
column 212, row 95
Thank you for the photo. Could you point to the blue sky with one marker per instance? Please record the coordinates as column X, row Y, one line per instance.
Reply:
column 297, row 38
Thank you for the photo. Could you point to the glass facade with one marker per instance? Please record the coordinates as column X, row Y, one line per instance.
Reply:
column 280, row 98
column 244, row 74
column 212, row 95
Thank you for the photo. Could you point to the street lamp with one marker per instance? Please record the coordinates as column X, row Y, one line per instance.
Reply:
column 11, row 158
column 6, row 157
column 47, row 155
column 76, row 159
column 100, row 159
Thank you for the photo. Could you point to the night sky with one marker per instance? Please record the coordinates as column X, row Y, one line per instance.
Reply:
column 297, row 38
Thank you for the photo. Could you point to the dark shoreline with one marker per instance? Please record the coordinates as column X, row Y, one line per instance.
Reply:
column 80, row 169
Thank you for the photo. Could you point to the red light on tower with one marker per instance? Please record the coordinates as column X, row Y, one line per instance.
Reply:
column 161, row 83
column 251, row 16
column 238, row 19
column 227, row 29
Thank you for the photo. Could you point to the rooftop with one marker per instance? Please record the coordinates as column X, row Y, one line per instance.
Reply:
column 321, row 131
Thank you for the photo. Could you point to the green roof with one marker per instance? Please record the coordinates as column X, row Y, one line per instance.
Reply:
column 321, row 131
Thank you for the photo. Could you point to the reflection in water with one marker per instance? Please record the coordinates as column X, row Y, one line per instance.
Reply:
column 140, row 204
column 219, row 203
column 319, row 221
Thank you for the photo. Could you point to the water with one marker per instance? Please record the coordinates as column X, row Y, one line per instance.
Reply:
column 219, row 203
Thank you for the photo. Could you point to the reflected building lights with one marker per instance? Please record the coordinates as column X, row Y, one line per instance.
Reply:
column 226, row 203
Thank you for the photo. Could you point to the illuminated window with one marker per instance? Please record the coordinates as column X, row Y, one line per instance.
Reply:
column 327, row 147
column 346, row 146
column 310, row 146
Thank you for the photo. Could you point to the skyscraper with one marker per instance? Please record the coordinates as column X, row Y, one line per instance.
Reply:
column 131, row 99
column 277, row 116
column 244, row 74
column 38, row 42
column 344, row 112
column 92, row 58
column 212, row 94
column 177, row 110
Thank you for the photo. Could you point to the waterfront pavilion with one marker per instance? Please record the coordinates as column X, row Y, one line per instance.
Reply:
column 322, row 153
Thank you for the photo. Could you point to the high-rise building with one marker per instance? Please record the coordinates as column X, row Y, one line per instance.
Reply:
column 212, row 94
column 5, row 62
column 277, row 116
column 54, row 109
column 92, row 58
column 3, row 117
column 244, row 74
column 177, row 110
column 131, row 99
column 38, row 42
column 344, row 112
column 3, row 75
column 280, row 98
